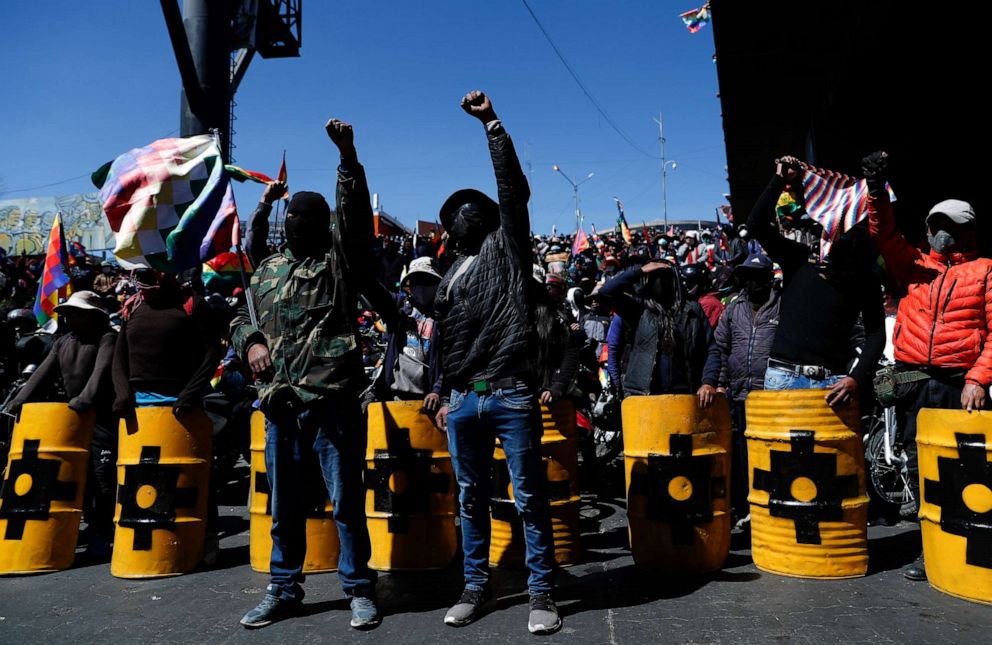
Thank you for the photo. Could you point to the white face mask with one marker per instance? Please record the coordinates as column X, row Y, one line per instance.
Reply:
column 742, row 233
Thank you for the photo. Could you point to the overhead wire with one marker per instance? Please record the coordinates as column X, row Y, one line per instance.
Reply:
column 582, row 86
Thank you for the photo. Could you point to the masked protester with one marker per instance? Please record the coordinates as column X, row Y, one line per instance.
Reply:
column 744, row 335
column 699, row 287
column 168, row 349
column 943, row 355
column 82, row 360
column 412, row 364
column 671, row 348
column 305, row 350
column 821, row 305
column 484, row 307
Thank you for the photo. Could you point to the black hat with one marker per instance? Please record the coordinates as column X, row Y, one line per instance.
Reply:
column 467, row 196
column 309, row 204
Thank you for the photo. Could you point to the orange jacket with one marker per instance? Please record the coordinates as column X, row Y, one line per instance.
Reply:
column 945, row 314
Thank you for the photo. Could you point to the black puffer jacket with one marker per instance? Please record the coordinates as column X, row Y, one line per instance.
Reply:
column 485, row 315
column 745, row 342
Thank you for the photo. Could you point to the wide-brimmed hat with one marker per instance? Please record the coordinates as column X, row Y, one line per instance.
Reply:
column 422, row 265
column 85, row 300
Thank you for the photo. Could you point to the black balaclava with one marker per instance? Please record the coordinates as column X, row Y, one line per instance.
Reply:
column 469, row 228
column 308, row 224
column 422, row 295
column 469, row 216
column 757, row 287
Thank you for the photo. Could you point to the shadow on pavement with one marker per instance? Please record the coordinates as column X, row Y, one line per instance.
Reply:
column 893, row 551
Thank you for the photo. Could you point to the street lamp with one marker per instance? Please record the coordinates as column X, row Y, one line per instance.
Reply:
column 664, row 167
column 575, row 191
column 664, row 187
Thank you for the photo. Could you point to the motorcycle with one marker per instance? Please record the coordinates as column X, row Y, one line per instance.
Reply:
column 885, row 461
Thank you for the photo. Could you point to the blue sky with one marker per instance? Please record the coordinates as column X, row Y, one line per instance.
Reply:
column 84, row 82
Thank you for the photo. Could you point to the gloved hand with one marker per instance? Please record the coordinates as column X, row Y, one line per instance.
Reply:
column 874, row 168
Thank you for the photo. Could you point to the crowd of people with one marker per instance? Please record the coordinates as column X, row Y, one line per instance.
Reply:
column 489, row 320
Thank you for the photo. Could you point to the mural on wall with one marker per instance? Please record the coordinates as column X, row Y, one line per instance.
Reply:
column 25, row 223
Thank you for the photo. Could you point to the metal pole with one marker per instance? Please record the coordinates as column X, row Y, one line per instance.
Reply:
column 664, row 168
column 207, row 26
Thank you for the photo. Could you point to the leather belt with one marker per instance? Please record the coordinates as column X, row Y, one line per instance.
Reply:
column 488, row 386
column 815, row 372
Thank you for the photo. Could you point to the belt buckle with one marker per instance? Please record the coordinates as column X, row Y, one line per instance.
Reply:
column 480, row 387
column 813, row 371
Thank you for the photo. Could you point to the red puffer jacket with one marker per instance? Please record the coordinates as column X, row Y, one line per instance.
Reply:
column 945, row 315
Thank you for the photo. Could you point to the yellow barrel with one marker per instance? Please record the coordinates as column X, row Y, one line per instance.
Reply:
column 411, row 497
column 323, row 547
column 559, row 450
column 809, row 506
column 955, row 450
column 42, row 495
column 677, row 465
column 163, row 474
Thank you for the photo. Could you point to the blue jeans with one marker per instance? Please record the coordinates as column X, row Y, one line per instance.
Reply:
column 332, row 433
column 474, row 423
column 779, row 379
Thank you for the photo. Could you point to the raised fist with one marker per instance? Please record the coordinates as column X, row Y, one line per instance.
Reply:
column 342, row 135
column 873, row 166
column 274, row 192
column 478, row 105
column 788, row 167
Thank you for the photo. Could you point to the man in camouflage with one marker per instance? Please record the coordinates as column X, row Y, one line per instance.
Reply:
column 303, row 346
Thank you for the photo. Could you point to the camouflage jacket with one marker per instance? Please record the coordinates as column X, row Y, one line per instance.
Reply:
column 307, row 308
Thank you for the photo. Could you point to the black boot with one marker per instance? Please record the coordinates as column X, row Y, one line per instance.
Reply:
column 916, row 572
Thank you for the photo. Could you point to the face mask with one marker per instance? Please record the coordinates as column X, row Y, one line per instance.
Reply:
column 743, row 234
column 757, row 292
column 942, row 242
column 469, row 228
column 422, row 297
column 660, row 290
column 307, row 237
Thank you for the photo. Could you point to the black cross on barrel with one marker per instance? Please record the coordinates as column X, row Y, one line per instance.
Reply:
column 403, row 481
column 680, row 488
column 149, row 497
column 803, row 486
column 32, row 484
column 964, row 483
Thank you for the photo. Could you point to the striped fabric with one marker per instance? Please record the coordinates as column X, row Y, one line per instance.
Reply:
column 836, row 202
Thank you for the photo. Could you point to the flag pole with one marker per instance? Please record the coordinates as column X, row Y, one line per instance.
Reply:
column 246, row 285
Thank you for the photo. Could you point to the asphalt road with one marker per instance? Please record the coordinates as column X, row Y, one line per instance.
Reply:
column 604, row 600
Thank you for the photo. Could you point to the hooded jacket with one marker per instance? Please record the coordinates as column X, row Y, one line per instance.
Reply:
column 945, row 316
column 485, row 313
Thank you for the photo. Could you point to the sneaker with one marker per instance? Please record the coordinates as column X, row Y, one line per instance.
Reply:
column 211, row 549
column 364, row 613
column 917, row 572
column 544, row 618
column 743, row 524
column 271, row 609
column 467, row 609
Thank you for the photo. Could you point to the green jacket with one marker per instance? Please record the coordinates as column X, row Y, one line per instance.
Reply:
column 307, row 308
